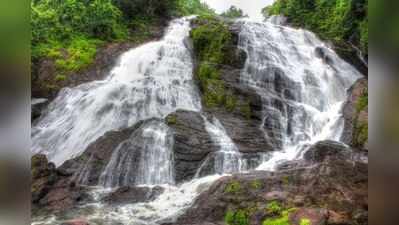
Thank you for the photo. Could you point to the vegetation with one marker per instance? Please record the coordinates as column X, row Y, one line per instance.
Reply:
column 234, row 12
column 212, row 40
column 344, row 22
column 70, row 31
column 360, row 134
column 281, row 219
column 233, row 188
column 240, row 217
column 171, row 120
column 256, row 184
column 305, row 221
column 274, row 208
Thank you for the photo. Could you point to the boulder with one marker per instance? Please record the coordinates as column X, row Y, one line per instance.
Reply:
column 327, row 150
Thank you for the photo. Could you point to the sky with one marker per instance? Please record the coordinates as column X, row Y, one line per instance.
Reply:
column 251, row 7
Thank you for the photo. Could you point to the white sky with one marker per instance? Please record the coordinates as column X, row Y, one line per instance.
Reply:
column 251, row 7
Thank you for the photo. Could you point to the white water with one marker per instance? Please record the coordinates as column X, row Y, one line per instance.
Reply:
column 303, row 92
column 150, row 81
column 228, row 159
column 152, row 145
column 302, row 97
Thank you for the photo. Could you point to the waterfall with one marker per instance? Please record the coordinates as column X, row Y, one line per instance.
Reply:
column 146, row 158
column 303, row 85
column 228, row 159
column 301, row 81
column 152, row 80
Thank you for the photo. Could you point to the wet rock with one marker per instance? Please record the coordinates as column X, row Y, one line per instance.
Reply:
column 129, row 195
column 44, row 175
column 331, row 185
column 87, row 168
column 51, row 190
column 37, row 107
column 353, row 118
column 192, row 143
column 324, row 150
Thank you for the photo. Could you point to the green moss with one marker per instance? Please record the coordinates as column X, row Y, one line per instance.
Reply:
column 362, row 102
column 282, row 219
column 274, row 208
column 256, row 184
column 305, row 221
column 233, row 187
column 171, row 119
column 360, row 134
column 212, row 41
column 60, row 77
column 239, row 217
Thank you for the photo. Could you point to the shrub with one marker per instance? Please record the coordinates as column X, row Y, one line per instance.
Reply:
column 340, row 21
column 233, row 12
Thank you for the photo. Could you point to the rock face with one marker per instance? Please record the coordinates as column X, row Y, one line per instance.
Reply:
column 51, row 188
column 192, row 143
column 354, row 118
column 37, row 106
column 328, row 190
column 87, row 168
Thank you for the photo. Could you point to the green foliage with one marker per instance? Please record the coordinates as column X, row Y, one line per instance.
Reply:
column 193, row 7
column 233, row 188
column 79, row 53
column 305, row 221
column 340, row 21
column 212, row 39
column 274, row 208
column 233, row 12
column 240, row 217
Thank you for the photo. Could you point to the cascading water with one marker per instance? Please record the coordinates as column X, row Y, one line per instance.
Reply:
column 144, row 159
column 302, row 83
column 228, row 159
column 150, row 81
